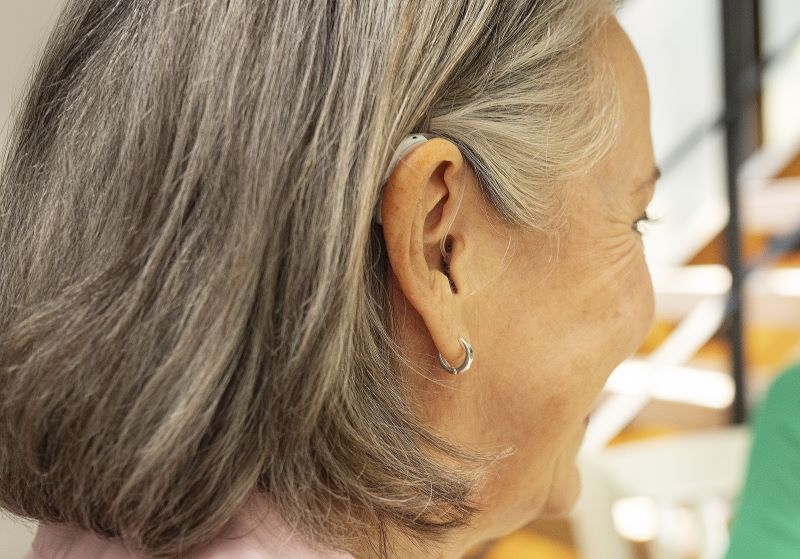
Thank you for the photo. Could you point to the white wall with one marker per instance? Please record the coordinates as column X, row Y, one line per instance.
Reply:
column 24, row 26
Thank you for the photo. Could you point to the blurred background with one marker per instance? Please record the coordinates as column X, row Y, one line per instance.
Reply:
column 666, row 451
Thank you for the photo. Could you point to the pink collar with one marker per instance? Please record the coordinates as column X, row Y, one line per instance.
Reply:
column 258, row 532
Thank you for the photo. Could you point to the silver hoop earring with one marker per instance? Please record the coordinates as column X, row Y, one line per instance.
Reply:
column 464, row 366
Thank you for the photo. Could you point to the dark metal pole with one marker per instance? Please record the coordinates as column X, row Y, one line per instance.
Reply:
column 741, row 51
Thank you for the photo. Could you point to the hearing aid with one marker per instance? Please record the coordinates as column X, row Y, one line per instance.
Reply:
column 403, row 148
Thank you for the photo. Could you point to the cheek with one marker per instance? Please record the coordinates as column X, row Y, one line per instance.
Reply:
column 538, row 406
column 541, row 372
column 634, row 304
column 596, row 317
column 616, row 294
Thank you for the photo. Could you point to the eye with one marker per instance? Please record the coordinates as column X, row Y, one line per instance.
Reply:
column 644, row 219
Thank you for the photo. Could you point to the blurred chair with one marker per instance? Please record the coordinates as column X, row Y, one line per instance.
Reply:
column 649, row 486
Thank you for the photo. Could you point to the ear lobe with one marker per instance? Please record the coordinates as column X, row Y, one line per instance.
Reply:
column 412, row 224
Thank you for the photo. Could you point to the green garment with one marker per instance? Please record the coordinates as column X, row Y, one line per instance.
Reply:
column 767, row 523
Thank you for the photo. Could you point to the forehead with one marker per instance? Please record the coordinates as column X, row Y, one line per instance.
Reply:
column 632, row 153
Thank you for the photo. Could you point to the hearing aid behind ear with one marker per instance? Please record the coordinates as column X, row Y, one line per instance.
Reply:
column 404, row 147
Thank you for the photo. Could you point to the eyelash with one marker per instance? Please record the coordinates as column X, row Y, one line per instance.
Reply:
column 645, row 218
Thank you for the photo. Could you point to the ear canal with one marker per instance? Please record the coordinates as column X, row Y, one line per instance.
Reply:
column 446, row 267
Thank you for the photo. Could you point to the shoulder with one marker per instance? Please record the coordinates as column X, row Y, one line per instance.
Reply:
column 783, row 394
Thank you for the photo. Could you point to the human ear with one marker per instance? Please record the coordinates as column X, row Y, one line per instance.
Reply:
column 419, row 204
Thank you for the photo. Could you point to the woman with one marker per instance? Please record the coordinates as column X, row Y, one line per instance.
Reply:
column 209, row 345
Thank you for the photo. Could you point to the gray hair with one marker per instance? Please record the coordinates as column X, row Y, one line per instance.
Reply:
column 192, row 294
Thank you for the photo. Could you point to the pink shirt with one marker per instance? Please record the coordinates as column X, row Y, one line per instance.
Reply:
column 256, row 533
